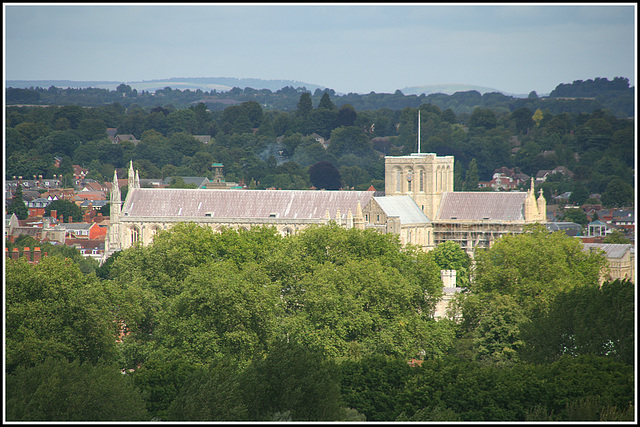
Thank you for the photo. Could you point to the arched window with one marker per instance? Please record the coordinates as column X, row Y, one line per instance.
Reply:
column 421, row 180
column 135, row 235
column 398, row 180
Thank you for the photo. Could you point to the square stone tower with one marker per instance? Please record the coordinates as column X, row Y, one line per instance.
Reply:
column 422, row 176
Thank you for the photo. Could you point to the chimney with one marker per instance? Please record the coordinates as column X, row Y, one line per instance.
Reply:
column 26, row 252
column 70, row 218
column 54, row 214
column 15, row 254
column 36, row 254
column 6, row 253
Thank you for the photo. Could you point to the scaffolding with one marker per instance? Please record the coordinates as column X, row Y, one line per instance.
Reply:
column 471, row 235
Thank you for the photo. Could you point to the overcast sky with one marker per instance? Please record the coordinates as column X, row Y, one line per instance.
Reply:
column 349, row 48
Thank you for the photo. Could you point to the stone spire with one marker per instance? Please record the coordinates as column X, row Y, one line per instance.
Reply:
column 530, row 206
column 542, row 207
column 132, row 177
column 358, row 219
column 137, row 181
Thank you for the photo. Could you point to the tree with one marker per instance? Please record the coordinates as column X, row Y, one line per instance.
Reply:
column 471, row 178
column 618, row 194
column 59, row 390
column 17, row 205
column 211, row 393
column 483, row 118
column 65, row 208
column 350, row 140
column 325, row 102
column 294, row 381
column 575, row 215
column 347, row 116
column 324, row 175
column 305, row 106
column 450, row 256
column 596, row 320
column 617, row 237
column 54, row 310
column 535, row 266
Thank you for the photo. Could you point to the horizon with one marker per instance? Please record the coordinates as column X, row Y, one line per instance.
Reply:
column 359, row 48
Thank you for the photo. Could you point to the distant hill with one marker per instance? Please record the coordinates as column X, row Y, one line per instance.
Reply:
column 450, row 89
column 220, row 84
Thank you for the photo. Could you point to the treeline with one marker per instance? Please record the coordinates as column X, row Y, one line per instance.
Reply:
column 265, row 148
column 251, row 326
column 615, row 96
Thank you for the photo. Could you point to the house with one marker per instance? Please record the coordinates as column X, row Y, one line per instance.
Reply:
column 88, row 248
column 10, row 223
column 126, row 137
column 111, row 134
column 38, row 206
column 620, row 257
column 205, row 139
column 569, row 228
column 79, row 173
column 198, row 181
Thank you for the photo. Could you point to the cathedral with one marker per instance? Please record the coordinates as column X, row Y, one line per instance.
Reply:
column 419, row 205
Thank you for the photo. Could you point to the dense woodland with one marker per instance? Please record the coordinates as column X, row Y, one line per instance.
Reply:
column 247, row 325
column 266, row 147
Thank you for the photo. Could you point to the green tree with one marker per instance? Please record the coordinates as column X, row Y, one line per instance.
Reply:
column 596, row 320
column 483, row 118
column 211, row 393
column 450, row 256
column 617, row 237
column 65, row 208
column 222, row 309
column 347, row 116
column 59, row 390
column 535, row 266
column 54, row 310
column 576, row 215
column 17, row 205
column 471, row 177
column 324, row 175
column 618, row 194
column 305, row 106
column 294, row 381
column 350, row 140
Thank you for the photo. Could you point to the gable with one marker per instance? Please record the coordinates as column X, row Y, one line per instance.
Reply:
column 403, row 207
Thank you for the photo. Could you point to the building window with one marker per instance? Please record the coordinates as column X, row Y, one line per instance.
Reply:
column 135, row 235
column 399, row 181
column 421, row 180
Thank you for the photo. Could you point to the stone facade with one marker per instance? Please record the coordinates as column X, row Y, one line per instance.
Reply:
column 419, row 206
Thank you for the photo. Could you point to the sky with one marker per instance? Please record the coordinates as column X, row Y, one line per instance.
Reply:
column 358, row 47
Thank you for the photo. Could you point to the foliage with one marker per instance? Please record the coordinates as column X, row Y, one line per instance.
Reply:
column 65, row 209
column 535, row 266
column 324, row 175
column 292, row 378
column 585, row 320
column 53, row 310
column 17, row 205
column 616, row 237
column 59, row 390
column 160, row 382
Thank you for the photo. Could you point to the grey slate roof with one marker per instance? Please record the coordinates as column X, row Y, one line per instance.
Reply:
column 403, row 207
column 290, row 204
column 613, row 250
column 479, row 205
